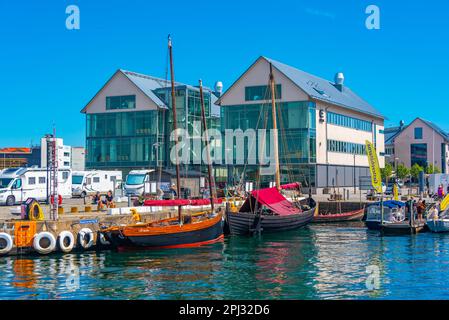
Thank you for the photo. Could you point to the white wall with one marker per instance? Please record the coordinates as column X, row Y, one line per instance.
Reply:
column 258, row 75
column 64, row 154
column 78, row 158
column 120, row 85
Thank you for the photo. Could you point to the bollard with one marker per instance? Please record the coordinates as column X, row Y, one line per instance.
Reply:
column 74, row 210
column 60, row 210
column 88, row 209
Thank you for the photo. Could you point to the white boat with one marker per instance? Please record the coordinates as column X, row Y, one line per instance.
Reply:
column 438, row 225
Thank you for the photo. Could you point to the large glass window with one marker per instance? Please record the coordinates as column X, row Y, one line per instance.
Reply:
column 346, row 147
column 419, row 154
column 349, row 122
column 296, row 124
column 256, row 93
column 121, row 102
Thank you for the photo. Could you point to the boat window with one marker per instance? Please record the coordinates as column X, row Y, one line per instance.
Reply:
column 134, row 179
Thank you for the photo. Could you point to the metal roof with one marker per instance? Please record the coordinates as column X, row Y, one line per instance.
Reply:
column 148, row 84
column 324, row 90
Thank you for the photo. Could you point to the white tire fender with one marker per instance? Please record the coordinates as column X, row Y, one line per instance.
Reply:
column 39, row 247
column 9, row 243
column 63, row 236
column 86, row 238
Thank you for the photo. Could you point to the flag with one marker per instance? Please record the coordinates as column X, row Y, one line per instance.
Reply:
column 395, row 192
column 376, row 178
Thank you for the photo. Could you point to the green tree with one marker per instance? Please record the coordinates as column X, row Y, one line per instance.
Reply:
column 386, row 172
column 432, row 169
column 402, row 171
column 415, row 170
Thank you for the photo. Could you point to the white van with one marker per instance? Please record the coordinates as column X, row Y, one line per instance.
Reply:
column 19, row 184
column 86, row 183
column 137, row 182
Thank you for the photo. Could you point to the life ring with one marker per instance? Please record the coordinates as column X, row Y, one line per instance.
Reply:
column 9, row 243
column 44, row 248
column 85, row 242
column 52, row 200
column 63, row 237
column 102, row 239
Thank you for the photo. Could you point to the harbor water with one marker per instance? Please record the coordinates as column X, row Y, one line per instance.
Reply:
column 340, row 261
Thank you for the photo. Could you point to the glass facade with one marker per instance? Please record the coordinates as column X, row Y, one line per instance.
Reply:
column 137, row 139
column 256, row 93
column 349, row 122
column 297, row 137
column 419, row 154
column 346, row 147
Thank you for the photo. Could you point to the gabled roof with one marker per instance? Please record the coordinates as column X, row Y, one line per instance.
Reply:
column 147, row 84
column 320, row 89
column 432, row 125
column 391, row 133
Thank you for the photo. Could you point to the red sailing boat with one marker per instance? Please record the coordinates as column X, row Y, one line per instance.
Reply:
column 267, row 210
column 183, row 231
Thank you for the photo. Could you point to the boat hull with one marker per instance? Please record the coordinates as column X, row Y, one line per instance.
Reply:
column 402, row 228
column 438, row 226
column 373, row 225
column 242, row 223
column 348, row 216
column 182, row 238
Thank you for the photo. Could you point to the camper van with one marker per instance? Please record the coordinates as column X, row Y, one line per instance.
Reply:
column 19, row 184
column 86, row 183
column 137, row 182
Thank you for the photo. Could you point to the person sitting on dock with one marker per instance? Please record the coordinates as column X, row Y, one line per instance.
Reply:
column 109, row 200
column 420, row 208
column 96, row 198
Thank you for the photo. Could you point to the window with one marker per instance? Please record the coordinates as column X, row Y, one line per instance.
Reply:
column 66, row 154
column 419, row 154
column 96, row 179
column 65, row 175
column 121, row 102
column 349, row 122
column 256, row 93
column 66, row 164
column 31, row 180
column 418, row 133
column 42, row 180
column 346, row 147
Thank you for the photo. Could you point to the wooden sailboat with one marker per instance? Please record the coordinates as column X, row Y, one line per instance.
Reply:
column 345, row 211
column 267, row 210
column 194, row 230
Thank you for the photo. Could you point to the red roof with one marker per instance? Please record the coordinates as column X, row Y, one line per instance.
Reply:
column 272, row 199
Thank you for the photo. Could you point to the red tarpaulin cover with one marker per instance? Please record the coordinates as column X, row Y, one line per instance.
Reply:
column 275, row 201
column 179, row 202
column 294, row 185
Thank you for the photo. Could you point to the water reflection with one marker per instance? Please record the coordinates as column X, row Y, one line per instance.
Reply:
column 320, row 262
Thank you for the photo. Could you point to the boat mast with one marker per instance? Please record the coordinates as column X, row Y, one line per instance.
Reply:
column 209, row 164
column 175, row 124
column 275, row 129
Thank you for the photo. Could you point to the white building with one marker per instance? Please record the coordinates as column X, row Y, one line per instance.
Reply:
column 78, row 158
column 326, row 124
column 64, row 153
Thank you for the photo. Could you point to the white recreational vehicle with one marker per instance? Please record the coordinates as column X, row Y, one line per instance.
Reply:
column 86, row 183
column 19, row 184
column 137, row 182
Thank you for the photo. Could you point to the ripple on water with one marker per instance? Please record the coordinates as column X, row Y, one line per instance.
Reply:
column 319, row 262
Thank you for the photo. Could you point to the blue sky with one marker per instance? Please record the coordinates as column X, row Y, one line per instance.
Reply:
column 49, row 73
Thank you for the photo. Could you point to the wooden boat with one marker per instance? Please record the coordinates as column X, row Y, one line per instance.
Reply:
column 268, row 211
column 183, row 231
column 168, row 233
column 349, row 211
